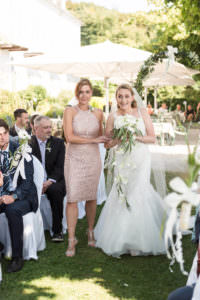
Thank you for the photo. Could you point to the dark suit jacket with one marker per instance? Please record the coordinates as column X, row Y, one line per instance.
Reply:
column 13, row 132
column 26, row 189
column 54, row 157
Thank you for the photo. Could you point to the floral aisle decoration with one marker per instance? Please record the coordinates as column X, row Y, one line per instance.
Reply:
column 125, row 130
column 17, row 159
column 23, row 153
column 148, row 66
column 184, row 195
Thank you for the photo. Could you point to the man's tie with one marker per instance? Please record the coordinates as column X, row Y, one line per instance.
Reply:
column 4, row 158
column 4, row 166
column 43, row 149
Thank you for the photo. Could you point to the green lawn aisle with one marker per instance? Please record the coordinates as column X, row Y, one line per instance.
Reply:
column 93, row 275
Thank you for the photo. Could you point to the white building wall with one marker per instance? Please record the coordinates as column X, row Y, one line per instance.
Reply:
column 39, row 26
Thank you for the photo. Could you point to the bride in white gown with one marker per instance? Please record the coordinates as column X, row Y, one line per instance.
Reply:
column 137, row 230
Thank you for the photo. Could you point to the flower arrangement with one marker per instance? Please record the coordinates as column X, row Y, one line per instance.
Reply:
column 24, row 137
column 126, row 130
column 185, row 195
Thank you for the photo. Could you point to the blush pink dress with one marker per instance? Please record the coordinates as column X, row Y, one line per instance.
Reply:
column 82, row 161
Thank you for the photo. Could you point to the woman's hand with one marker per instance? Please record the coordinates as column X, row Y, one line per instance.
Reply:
column 101, row 139
column 111, row 143
column 1, row 178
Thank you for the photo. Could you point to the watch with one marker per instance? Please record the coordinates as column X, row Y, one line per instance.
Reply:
column 15, row 196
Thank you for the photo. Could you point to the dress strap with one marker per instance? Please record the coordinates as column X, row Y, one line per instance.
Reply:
column 76, row 107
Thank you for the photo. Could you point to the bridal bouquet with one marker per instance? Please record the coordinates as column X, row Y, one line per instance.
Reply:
column 126, row 130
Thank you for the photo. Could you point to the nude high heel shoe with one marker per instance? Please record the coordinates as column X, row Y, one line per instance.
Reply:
column 71, row 250
column 91, row 239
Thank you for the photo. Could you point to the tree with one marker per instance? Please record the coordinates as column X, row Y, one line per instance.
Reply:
column 33, row 95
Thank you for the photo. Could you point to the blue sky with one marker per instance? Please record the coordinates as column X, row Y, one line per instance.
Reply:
column 122, row 5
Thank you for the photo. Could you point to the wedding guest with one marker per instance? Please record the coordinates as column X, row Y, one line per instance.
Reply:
column 21, row 122
column 189, row 114
column 32, row 123
column 183, row 293
column 149, row 109
column 178, row 108
column 1, row 184
column 51, row 152
column 83, row 132
column 163, row 108
column 179, row 114
column 18, row 202
column 197, row 118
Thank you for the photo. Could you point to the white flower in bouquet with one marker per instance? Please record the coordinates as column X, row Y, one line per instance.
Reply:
column 126, row 130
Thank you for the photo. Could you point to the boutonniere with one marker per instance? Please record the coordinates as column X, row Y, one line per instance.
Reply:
column 48, row 148
column 91, row 108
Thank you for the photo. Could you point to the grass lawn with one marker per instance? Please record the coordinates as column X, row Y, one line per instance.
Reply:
column 93, row 275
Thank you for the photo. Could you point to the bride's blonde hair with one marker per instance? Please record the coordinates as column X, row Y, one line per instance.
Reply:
column 126, row 86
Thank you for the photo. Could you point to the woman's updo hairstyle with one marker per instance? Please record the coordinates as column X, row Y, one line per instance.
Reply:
column 129, row 88
column 80, row 84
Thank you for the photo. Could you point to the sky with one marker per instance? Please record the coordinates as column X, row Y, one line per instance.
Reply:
column 122, row 5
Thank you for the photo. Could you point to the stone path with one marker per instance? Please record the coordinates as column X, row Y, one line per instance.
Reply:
column 175, row 157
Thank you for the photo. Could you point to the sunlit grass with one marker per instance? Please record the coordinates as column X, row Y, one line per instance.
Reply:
column 93, row 275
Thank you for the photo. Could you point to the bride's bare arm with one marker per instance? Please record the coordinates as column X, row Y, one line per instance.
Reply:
column 150, row 137
column 108, row 132
column 68, row 116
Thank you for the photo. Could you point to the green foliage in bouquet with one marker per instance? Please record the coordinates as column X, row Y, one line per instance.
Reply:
column 126, row 136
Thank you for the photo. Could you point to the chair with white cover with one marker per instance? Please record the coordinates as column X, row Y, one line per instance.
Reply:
column 33, row 238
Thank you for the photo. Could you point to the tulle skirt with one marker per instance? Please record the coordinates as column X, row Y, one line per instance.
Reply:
column 138, row 230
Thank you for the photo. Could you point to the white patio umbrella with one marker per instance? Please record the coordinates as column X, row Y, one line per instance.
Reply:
column 99, row 61
column 174, row 75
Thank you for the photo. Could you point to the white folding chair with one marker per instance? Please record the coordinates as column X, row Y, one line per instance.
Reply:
column 33, row 237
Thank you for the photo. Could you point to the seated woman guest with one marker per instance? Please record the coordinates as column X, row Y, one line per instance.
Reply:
column 83, row 132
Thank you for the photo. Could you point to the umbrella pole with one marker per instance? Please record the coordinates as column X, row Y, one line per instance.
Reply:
column 106, row 86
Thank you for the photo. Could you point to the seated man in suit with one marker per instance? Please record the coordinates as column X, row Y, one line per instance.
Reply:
column 51, row 151
column 21, row 122
column 15, row 202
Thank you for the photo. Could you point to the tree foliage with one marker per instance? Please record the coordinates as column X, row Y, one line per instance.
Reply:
column 171, row 24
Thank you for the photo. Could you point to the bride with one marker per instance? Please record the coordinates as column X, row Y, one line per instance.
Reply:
column 134, row 229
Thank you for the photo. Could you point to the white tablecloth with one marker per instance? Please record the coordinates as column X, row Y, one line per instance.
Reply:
column 163, row 127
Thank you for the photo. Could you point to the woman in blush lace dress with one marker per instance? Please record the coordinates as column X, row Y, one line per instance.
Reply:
column 133, row 229
column 83, row 132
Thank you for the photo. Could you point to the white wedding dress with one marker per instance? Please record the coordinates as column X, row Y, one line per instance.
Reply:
column 137, row 230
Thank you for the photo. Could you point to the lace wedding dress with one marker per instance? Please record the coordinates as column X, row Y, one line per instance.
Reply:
column 137, row 230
